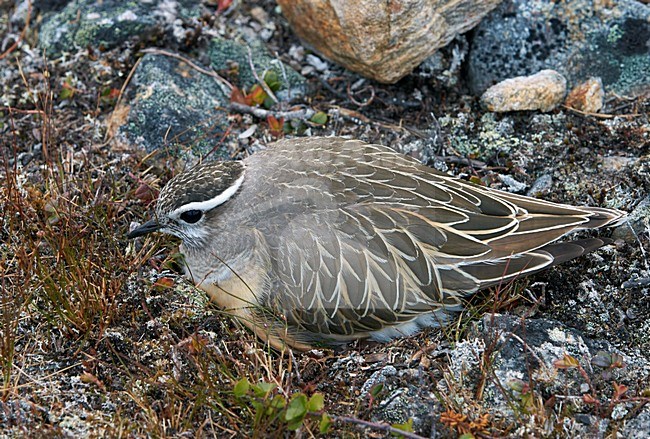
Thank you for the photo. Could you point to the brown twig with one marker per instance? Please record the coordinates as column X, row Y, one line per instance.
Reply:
column 22, row 33
column 361, row 104
column 382, row 426
column 457, row 160
column 325, row 83
column 601, row 115
column 17, row 110
column 303, row 114
column 196, row 67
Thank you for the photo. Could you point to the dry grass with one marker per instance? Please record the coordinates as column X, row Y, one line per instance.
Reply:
column 88, row 345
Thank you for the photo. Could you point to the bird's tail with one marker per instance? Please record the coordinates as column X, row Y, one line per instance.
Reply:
column 602, row 217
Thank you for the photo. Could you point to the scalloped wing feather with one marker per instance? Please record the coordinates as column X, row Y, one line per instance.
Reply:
column 379, row 238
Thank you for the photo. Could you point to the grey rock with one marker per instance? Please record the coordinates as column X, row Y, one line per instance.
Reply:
column 578, row 38
column 21, row 412
column 424, row 149
column 394, row 408
column 221, row 52
column 408, row 403
column 19, row 14
column 176, row 109
column 173, row 108
column 495, row 135
column 512, row 185
column 445, row 65
column 378, row 377
column 638, row 427
column 107, row 24
column 541, row 186
column 637, row 222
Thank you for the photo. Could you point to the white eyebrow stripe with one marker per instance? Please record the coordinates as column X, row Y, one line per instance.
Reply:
column 204, row 206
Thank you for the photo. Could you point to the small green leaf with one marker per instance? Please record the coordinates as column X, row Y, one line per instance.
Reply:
column 258, row 406
column 467, row 436
column 263, row 389
column 272, row 80
column 319, row 118
column 297, row 408
column 516, row 384
column 241, row 387
column 294, row 425
column 268, row 102
column 66, row 93
column 278, row 402
column 325, row 423
column 287, row 128
column 376, row 390
column 406, row 426
column 316, row 402
column 527, row 402
column 256, row 96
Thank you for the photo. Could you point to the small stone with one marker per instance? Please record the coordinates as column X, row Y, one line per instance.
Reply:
column 619, row 412
column 512, row 184
column 378, row 357
column 378, row 377
column 317, row 63
column 587, row 97
column 260, row 15
column 584, row 419
column 108, row 24
column 637, row 222
column 542, row 91
column 25, row 158
column 541, row 186
column 637, row 427
column 617, row 163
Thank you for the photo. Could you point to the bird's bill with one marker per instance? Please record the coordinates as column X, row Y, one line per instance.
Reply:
column 148, row 227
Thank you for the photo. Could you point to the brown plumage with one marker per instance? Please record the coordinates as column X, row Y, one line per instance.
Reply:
column 325, row 240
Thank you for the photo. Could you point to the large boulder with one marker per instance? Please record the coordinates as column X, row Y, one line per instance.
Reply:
column 378, row 39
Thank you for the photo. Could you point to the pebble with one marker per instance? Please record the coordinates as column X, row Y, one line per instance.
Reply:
column 512, row 184
column 542, row 91
column 378, row 377
column 541, row 186
column 587, row 96
column 617, row 163
column 636, row 224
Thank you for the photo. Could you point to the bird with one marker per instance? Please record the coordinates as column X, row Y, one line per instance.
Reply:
column 319, row 241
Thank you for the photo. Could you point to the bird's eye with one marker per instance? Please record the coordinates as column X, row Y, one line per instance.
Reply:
column 191, row 216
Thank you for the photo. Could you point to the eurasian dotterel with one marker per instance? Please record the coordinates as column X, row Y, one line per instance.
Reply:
column 319, row 241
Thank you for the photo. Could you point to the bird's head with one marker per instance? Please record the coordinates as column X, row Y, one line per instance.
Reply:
column 188, row 201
